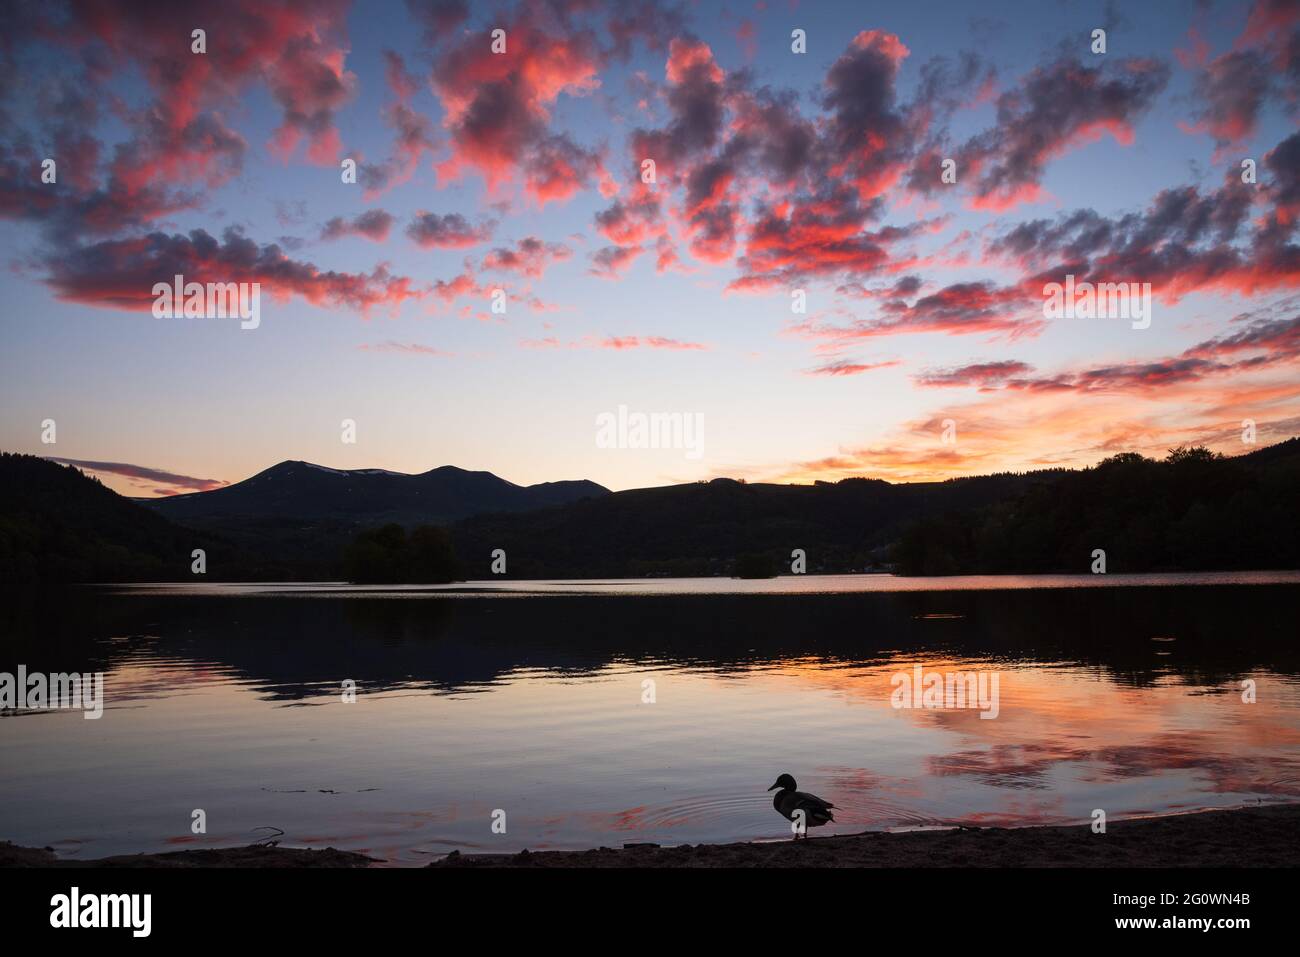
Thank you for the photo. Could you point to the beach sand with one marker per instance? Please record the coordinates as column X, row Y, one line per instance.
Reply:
column 1246, row 837
column 255, row 855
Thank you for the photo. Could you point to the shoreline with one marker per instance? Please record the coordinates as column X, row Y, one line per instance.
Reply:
column 813, row 585
column 252, row 855
column 1263, row 836
column 1248, row 837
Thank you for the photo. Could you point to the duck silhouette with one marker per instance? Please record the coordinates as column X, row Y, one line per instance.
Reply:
column 788, row 800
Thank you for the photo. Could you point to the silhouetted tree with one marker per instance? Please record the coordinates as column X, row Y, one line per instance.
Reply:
column 1195, row 510
column 389, row 556
column 755, row 565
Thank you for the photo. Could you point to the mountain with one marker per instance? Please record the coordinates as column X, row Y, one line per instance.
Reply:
column 367, row 497
column 703, row 527
column 1191, row 511
column 58, row 525
column 303, row 514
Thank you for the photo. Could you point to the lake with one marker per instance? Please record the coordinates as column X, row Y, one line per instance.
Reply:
column 604, row 713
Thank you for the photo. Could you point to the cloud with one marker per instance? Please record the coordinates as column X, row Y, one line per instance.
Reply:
column 121, row 273
column 438, row 17
column 962, row 308
column 616, row 343
column 1055, row 108
column 414, row 138
column 1283, row 186
column 784, row 196
column 403, row 348
column 530, row 257
column 557, row 168
column 1185, row 241
column 610, row 262
column 450, row 231
column 1232, row 89
column 176, row 143
column 296, row 50
column 846, row 367
column 867, row 133
column 497, row 106
column 695, row 98
column 1257, row 345
column 648, row 342
column 631, row 222
column 413, row 133
column 139, row 474
column 821, row 237
column 980, row 374
column 374, row 224
column 463, row 284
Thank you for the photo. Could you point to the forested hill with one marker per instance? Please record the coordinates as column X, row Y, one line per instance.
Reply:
column 59, row 525
column 1193, row 510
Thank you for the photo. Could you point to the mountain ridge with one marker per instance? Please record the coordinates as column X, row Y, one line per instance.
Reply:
column 1171, row 515
column 297, row 488
column 1192, row 511
column 300, row 515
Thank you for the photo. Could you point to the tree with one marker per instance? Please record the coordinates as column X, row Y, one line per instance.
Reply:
column 755, row 565
column 388, row 556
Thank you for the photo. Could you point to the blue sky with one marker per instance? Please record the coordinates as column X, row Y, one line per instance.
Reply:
column 206, row 402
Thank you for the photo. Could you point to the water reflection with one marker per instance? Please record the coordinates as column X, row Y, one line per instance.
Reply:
column 1127, row 699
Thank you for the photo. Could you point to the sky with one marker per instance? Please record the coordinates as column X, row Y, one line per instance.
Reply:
column 923, row 350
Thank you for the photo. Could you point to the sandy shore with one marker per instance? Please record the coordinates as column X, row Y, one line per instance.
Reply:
column 1249, row 837
column 256, row 855
column 1246, row 837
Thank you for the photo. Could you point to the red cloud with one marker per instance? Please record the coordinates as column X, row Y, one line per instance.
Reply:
column 461, row 285
column 617, row 343
column 842, row 367
column 958, row 309
column 982, row 374
column 140, row 474
column 648, row 342
column 374, row 224
column 530, row 257
column 1054, row 109
column 498, row 105
column 404, row 348
column 631, row 222
column 450, row 231
column 414, row 133
column 1264, row 342
column 557, row 168
column 297, row 49
column 1231, row 89
column 121, row 273
column 610, row 261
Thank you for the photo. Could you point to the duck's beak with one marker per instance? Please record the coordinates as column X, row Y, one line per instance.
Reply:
column 775, row 786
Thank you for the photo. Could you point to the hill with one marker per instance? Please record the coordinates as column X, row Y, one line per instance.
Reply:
column 300, row 515
column 58, row 525
column 702, row 528
column 1193, row 511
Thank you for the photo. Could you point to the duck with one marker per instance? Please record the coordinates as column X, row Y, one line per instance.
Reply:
column 789, row 799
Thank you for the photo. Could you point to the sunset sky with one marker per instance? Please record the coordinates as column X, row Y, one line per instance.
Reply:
column 776, row 171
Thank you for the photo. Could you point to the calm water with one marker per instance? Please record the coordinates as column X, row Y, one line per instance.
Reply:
column 1120, row 693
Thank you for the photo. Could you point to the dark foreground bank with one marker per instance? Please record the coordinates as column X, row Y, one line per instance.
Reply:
column 255, row 855
column 1245, row 837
